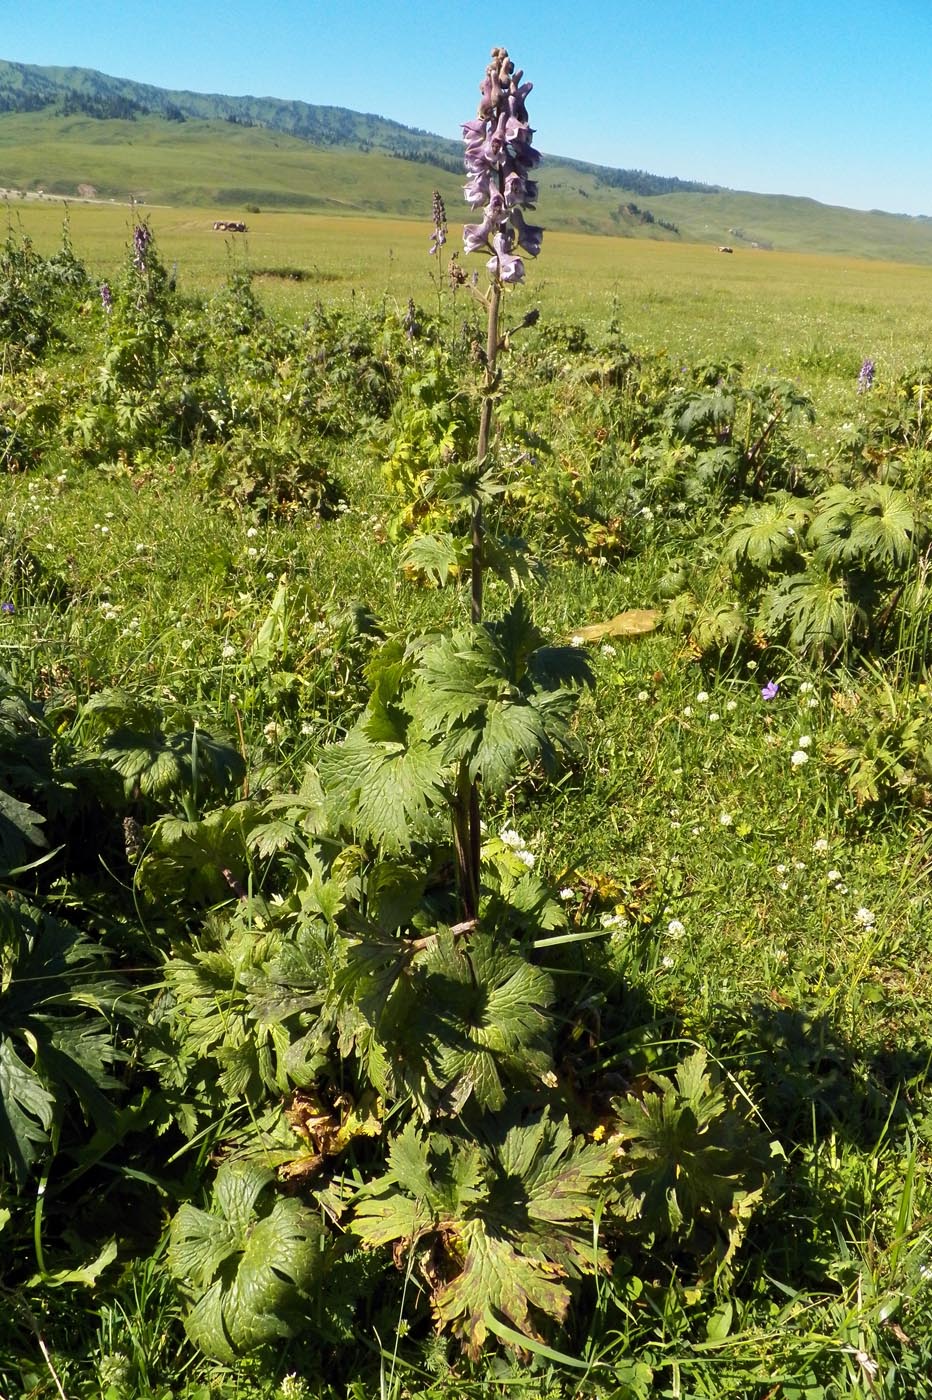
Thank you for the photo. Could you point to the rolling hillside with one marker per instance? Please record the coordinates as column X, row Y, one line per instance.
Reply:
column 74, row 132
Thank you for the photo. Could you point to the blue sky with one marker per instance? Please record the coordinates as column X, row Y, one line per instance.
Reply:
column 805, row 97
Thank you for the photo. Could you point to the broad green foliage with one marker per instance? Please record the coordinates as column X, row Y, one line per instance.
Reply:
column 828, row 576
column 691, row 1167
column 246, row 1267
column 455, row 1118
column 444, row 1020
column 506, row 1218
column 57, row 1050
column 485, row 700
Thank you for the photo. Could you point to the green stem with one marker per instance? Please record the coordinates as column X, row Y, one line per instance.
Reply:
column 465, row 815
column 482, row 449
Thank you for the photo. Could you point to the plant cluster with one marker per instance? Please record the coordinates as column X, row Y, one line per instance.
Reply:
column 303, row 1045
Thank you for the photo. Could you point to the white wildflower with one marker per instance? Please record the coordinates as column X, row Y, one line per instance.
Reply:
column 821, row 845
column 833, row 877
column 726, row 819
column 228, row 651
column 675, row 928
column 702, row 697
column 806, row 688
column 251, row 532
column 864, row 917
column 688, row 712
column 799, row 758
column 643, row 697
column 804, row 741
column 731, row 705
column 509, row 837
column 608, row 650
column 567, row 893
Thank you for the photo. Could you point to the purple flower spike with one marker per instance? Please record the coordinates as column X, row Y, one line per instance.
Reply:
column 769, row 691
column 498, row 157
column 142, row 237
column 106, row 297
column 866, row 377
column 439, row 235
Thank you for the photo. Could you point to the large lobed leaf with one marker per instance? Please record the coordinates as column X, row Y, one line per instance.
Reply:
column 247, row 1275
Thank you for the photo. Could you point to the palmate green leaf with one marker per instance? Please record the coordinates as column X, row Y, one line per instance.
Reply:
column 384, row 789
column 692, row 1168
column 247, row 1275
column 768, row 535
column 498, row 1279
column 816, row 612
column 887, row 532
column 436, row 557
column 510, row 1215
column 484, row 1020
column 493, row 697
column 199, row 1244
column 192, row 861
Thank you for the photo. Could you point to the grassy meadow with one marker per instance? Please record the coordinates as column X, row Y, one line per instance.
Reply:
column 732, row 853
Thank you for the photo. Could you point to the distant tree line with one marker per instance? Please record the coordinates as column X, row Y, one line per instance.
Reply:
column 644, row 216
column 642, row 182
column 421, row 157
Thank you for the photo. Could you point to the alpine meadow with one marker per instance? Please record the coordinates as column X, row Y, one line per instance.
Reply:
column 465, row 767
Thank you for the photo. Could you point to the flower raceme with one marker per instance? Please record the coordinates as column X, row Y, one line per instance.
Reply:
column 498, row 157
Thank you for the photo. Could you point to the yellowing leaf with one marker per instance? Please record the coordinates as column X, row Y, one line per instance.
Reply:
column 636, row 622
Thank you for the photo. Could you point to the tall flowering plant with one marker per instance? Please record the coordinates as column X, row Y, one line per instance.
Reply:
column 498, row 159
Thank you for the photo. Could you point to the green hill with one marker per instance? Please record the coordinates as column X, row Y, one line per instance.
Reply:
column 73, row 131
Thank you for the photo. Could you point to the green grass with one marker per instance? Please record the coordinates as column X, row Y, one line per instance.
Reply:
column 748, row 903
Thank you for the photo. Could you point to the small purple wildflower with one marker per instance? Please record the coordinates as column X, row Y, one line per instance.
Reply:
column 866, row 377
column 8, row 608
column 769, row 691
column 439, row 235
column 106, row 297
column 498, row 157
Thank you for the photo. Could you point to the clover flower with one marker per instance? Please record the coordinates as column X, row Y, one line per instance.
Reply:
column 498, row 157
column 439, row 213
column 866, row 376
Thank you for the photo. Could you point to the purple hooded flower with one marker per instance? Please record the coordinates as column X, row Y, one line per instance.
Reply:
column 106, row 297
column 142, row 237
column 439, row 235
column 498, row 156
column 866, row 376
